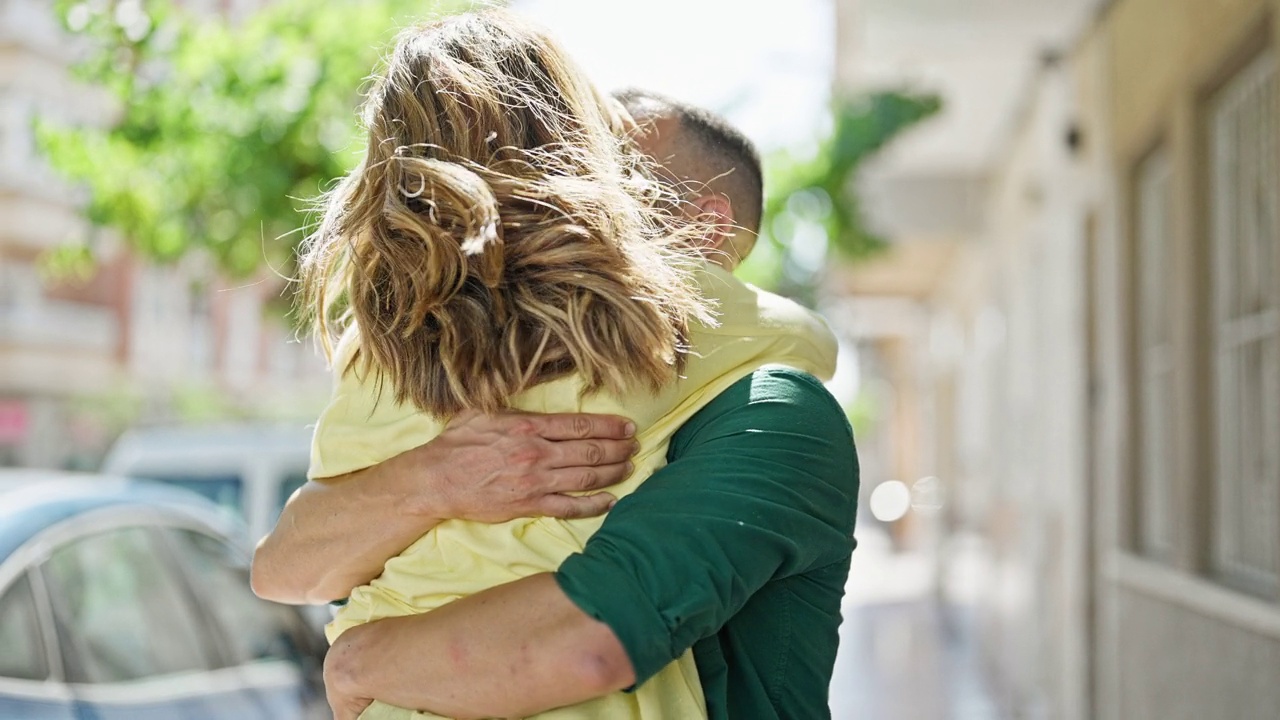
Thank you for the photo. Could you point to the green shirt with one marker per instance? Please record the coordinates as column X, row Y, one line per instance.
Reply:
column 739, row 548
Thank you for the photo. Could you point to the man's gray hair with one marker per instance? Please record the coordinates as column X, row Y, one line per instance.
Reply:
column 727, row 155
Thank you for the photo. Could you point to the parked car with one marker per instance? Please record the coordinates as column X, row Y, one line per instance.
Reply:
column 250, row 468
column 129, row 599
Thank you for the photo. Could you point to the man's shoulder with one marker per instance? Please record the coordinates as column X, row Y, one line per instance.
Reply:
column 778, row 383
column 773, row 397
column 777, row 391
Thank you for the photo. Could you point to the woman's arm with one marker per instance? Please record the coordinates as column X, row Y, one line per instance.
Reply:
column 336, row 534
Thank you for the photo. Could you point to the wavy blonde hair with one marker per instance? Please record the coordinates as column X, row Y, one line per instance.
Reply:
column 501, row 231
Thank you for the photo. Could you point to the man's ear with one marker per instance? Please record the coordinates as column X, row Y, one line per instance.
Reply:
column 717, row 210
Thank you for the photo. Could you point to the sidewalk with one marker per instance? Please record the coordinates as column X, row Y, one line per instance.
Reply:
column 903, row 656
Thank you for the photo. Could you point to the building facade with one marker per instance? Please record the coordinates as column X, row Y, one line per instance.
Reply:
column 1088, row 241
column 1189, row 573
column 135, row 342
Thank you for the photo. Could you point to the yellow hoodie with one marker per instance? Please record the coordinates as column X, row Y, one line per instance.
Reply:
column 362, row 427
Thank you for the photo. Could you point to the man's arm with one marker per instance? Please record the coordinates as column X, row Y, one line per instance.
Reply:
column 763, row 485
column 512, row 651
column 337, row 534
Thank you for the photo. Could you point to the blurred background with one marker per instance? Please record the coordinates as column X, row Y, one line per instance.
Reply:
column 1047, row 233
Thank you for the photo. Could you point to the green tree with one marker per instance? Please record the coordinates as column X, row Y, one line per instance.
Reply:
column 812, row 210
column 225, row 130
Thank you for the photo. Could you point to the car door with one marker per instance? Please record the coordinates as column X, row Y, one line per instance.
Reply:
column 278, row 656
column 129, row 632
column 28, row 689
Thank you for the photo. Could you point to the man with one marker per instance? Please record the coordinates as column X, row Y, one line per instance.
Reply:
column 739, row 548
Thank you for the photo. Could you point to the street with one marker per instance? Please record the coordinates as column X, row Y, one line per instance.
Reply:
column 903, row 655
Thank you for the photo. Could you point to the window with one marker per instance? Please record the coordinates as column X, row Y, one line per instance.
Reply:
column 252, row 629
column 122, row 615
column 200, row 326
column 23, row 656
column 1246, row 340
column 1154, row 225
column 289, row 484
column 225, row 490
column 242, row 339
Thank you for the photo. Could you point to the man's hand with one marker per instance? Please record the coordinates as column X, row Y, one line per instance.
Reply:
column 494, row 468
column 337, row 534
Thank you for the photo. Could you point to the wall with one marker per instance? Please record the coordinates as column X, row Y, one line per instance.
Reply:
column 135, row 342
column 1012, row 397
column 1173, row 641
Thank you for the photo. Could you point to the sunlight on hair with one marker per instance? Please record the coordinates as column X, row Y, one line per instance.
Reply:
column 500, row 228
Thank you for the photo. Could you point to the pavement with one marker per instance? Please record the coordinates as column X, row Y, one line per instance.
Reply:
column 905, row 655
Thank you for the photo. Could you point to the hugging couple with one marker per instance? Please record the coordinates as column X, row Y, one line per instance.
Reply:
column 571, row 467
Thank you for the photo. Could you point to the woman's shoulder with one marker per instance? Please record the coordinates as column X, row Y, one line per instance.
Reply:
column 742, row 308
column 756, row 327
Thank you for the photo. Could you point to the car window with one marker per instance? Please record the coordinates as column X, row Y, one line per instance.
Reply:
column 122, row 614
column 288, row 484
column 225, row 490
column 253, row 629
column 23, row 655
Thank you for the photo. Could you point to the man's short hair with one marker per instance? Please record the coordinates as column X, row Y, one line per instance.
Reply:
column 722, row 155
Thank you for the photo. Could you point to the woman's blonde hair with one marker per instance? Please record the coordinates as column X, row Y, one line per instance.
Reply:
column 500, row 231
